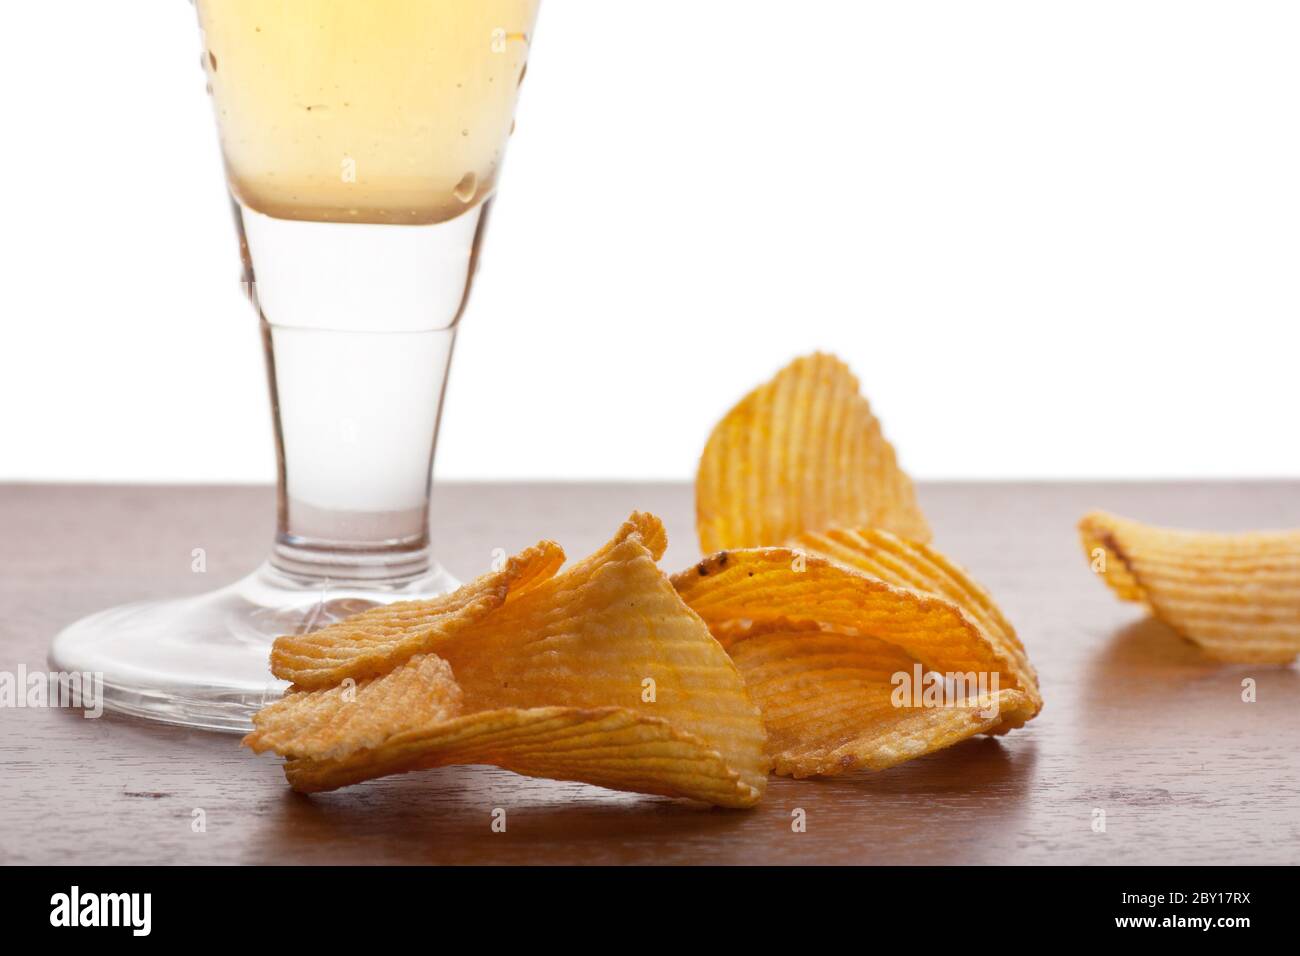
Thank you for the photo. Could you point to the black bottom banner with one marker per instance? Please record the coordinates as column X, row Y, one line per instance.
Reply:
column 340, row 905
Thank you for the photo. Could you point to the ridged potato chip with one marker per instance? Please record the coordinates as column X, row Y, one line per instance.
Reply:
column 377, row 640
column 760, row 585
column 827, row 706
column 823, row 588
column 1235, row 595
column 599, row 674
column 831, row 701
column 361, row 715
column 609, row 746
column 922, row 568
column 801, row 453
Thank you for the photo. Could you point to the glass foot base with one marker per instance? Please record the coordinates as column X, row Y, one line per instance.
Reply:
column 203, row 661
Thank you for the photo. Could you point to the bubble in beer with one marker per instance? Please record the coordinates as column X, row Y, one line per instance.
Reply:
column 466, row 188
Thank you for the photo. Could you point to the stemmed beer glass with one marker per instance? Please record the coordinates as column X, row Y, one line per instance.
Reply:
column 362, row 140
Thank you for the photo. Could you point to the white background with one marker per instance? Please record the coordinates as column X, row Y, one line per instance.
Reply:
column 1054, row 240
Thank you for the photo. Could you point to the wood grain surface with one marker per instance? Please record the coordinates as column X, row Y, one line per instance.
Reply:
column 1136, row 722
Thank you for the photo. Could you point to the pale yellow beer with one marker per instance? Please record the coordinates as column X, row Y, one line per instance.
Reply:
column 380, row 111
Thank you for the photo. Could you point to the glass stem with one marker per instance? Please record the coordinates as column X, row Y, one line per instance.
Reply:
column 353, row 508
column 358, row 323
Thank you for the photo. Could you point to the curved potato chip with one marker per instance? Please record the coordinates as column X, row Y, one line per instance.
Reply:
column 610, row 747
column 761, row 585
column 801, row 453
column 919, row 567
column 831, row 701
column 600, row 674
column 1236, row 595
column 1092, row 531
column 612, row 631
column 335, row 723
column 378, row 639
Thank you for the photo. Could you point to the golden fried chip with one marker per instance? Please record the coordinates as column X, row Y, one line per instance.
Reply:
column 600, row 674
column 1236, row 595
column 611, row 747
column 802, row 453
column 834, row 702
column 377, row 640
column 359, row 715
column 758, row 589
column 919, row 567
column 760, row 585
column 1093, row 531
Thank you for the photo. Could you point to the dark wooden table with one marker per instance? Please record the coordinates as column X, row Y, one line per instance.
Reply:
column 1136, row 722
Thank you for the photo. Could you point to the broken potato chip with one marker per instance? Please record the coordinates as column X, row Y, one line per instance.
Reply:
column 824, row 647
column 1235, row 595
column 599, row 673
column 801, row 453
